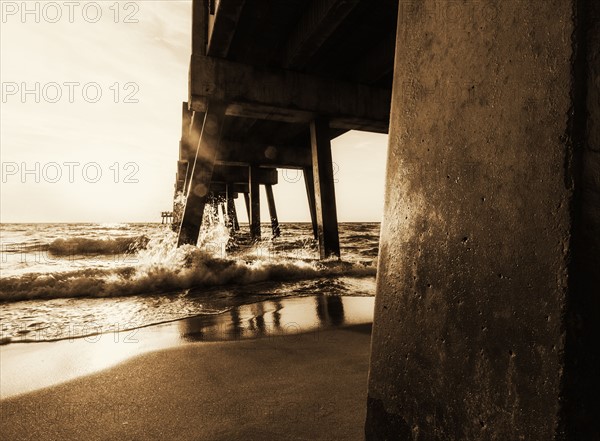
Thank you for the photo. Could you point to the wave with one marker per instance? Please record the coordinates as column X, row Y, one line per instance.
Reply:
column 364, row 237
column 187, row 267
column 82, row 246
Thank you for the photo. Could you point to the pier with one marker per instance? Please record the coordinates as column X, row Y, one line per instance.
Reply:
column 487, row 312
column 166, row 217
column 272, row 99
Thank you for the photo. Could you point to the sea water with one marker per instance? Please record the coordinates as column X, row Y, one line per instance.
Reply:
column 61, row 281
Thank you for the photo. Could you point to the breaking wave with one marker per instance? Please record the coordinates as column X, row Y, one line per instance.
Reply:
column 82, row 246
column 183, row 268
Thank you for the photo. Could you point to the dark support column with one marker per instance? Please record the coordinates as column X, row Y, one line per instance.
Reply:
column 201, row 173
column 247, row 202
column 310, row 194
column 214, row 206
column 232, row 221
column 236, row 222
column 192, row 141
column 187, row 150
column 272, row 211
column 199, row 26
column 254, row 203
column 329, row 242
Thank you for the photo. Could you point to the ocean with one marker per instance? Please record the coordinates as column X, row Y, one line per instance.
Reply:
column 62, row 281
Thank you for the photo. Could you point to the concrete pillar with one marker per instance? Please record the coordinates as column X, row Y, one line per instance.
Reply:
column 487, row 311
column 272, row 211
column 210, row 135
column 310, row 194
column 254, row 215
column 329, row 242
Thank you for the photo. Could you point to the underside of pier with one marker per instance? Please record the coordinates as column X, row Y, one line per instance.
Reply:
column 271, row 83
column 487, row 310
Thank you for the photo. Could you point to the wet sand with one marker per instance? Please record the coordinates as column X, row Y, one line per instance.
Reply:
column 292, row 370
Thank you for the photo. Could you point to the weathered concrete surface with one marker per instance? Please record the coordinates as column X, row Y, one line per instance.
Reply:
column 486, row 316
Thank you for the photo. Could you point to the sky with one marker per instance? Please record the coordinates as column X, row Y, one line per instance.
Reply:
column 90, row 118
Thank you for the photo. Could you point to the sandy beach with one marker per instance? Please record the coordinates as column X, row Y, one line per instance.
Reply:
column 302, row 379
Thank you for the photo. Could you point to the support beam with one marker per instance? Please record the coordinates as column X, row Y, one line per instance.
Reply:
column 201, row 174
column 241, row 174
column 186, row 122
column 326, row 213
column 283, row 95
column 310, row 194
column 236, row 187
column 247, row 203
column 181, row 176
column 190, row 144
column 215, row 209
column 231, row 212
column 254, row 203
column 320, row 19
column 225, row 22
column 199, row 26
column 272, row 211
column 240, row 153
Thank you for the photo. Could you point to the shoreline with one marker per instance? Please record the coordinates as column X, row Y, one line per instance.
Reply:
column 32, row 366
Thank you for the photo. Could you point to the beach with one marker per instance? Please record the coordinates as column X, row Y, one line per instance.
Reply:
column 202, row 379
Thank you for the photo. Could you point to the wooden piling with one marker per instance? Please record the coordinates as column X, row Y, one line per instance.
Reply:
column 247, row 203
column 254, row 203
column 272, row 211
column 232, row 220
column 310, row 194
column 210, row 134
column 326, row 213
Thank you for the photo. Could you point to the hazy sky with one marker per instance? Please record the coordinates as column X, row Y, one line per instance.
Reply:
column 96, row 139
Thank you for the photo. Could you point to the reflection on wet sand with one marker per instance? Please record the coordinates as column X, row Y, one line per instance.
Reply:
column 30, row 366
column 330, row 309
column 277, row 317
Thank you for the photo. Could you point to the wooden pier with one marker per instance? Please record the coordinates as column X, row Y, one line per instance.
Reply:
column 487, row 312
column 166, row 217
column 272, row 99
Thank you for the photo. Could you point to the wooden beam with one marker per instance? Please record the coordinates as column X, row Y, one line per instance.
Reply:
column 190, row 142
column 329, row 242
column 241, row 174
column 231, row 212
column 199, row 26
column 201, row 174
column 247, row 202
column 254, row 203
column 186, row 119
column 272, row 211
column 320, row 19
column 225, row 22
column 310, row 195
column 235, row 188
column 283, row 95
column 180, row 179
column 237, row 153
column 233, row 153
